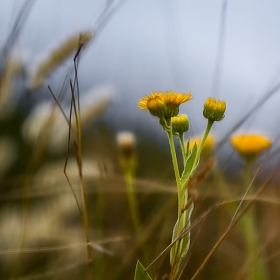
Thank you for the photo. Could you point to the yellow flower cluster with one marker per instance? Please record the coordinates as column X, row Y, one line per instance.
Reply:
column 163, row 104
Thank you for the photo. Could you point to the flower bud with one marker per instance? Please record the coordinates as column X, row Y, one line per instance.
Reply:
column 214, row 109
column 180, row 124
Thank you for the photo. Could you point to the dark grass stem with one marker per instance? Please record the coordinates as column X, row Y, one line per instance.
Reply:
column 77, row 115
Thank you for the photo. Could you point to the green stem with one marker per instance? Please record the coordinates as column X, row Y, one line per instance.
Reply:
column 182, row 143
column 181, row 246
column 249, row 227
column 175, row 166
column 207, row 130
column 129, row 175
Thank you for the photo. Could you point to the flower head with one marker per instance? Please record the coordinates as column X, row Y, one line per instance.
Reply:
column 214, row 110
column 180, row 124
column 163, row 104
column 250, row 146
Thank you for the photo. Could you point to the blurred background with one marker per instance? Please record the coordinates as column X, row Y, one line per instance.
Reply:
column 225, row 49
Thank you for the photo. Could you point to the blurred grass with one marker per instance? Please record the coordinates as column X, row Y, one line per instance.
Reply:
column 53, row 221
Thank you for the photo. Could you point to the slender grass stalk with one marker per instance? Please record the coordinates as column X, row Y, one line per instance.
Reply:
column 128, row 161
column 82, row 185
column 235, row 222
column 248, row 224
column 249, row 147
column 132, row 200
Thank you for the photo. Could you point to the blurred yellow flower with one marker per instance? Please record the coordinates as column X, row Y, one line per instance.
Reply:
column 214, row 110
column 127, row 150
column 208, row 144
column 163, row 104
column 250, row 145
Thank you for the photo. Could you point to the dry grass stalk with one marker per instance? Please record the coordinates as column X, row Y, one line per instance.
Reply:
column 202, row 174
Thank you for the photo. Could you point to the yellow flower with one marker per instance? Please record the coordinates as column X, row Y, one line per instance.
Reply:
column 250, row 146
column 163, row 104
column 208, row 144
column 180, row 124
column 214, row 110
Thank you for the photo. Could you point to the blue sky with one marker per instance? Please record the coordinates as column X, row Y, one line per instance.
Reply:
column 165, row 45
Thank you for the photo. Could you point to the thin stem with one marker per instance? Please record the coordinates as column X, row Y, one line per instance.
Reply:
column 248, row 224
column 207, row 130
column 176, row 169
column 177, row 251
column 129, row 175
column 232, row 224
column 182, row 143
column 82, row 184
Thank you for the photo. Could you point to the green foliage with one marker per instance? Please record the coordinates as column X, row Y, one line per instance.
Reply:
column 190, row 165
column 141, row 273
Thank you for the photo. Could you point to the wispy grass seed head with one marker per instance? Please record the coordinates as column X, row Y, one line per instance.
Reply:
column 57, row 56
column 7, row 103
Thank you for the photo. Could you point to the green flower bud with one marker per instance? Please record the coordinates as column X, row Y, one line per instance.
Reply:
column 180, row 124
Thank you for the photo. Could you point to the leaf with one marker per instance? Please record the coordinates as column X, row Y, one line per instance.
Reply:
column 186, row 239
column 175, row 245
column 189, row 167
column 180, row 249
column 141, row 273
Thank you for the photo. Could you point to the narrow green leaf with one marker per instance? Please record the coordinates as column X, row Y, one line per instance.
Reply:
column 180, row 249
column 189, row 168
column 174, row 247
column 186, row 239
column 141, row 273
